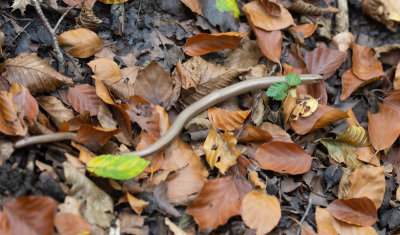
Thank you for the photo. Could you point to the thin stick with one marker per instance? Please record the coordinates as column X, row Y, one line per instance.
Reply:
column 305, row 214
column 43, row 139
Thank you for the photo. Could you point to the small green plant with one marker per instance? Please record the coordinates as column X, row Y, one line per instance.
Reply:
column 279, row 90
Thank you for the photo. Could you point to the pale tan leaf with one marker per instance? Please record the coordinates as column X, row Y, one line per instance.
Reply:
column 56, row 109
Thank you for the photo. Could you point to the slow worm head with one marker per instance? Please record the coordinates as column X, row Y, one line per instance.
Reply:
column 213, row 99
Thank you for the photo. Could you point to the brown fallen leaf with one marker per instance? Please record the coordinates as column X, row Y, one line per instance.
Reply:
column 84, row 154
column 88, row 133
column 259, row 17
column 304, row 30
column 365, row 65
column 245, row 56
column 218, row 200
column 154, row 84
column 31, row 215
column 396, row 80
column 316, row 90
column 324, row 61
column 11, row 122
column 204, row 43
column 55, row 109
column 261, row 211
column 383, row 127
column 194, row 6
column 70, row 224
column 84, row 98
column 227, row 120
column 4, row 226
column 367, row 155
column 359, row 211
column 323, row 116
column 351, row 83
column 384, row 11
column 136, row 204
column 277, row 133
column 103, row 93
column 27, row 105
column 324, row 221
column 220, row 150
column 270, row 43
column 283, row 157
column 273, row 8
column 105, row 69
column 253, row 133
column 81, row 43
column 35, row 74
column 174, row 228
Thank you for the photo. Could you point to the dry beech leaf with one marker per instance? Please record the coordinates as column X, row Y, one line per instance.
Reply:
column 84, row 154
column 81, row 43
column 350, row 229
column 227, row 120
column 304, row 30
column 273, row 8
column 259, row 17
column 261, row 211
column 136, row 204
column 70, row 224
column 194, row 6
column 367, row 155
column 105, row 69
column 35, row 74
column 383, row 127
column 270, row 43
column 27, row 105
column 393, row 100
column 355, row 136
column 74, row 123
column 342, row 153
column 204, row 43
column 84, row 98
column 102, row 92
column 31, row 215
column 88, row 133
column 368, row 182
column 283, row 157
column 365, row 65
column 358, row 211
column 277, row 133
column 220, row 150
column 56, row 109
column 324, row 61
column 124, row 87
column 316, row 90
column 4, row 226
column 253, row 133
column 11, row 122
column 351, row 83
column 343, row 41
column 324, row 221
column 154, row 84
column 396, row 79
column 323, row 116
column 218, row 200
column 245, row 56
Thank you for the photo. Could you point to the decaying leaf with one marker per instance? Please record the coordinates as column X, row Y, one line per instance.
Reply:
column 304, row 106
column 227, row 120
column 81, row 43
column 342, row 153
column 221, row 150
column 283, row 157
column 56, row 110
column 218, row 200
column 204, row 43
column 324, row 221
column 261, row 211
column 35, row 74
column 105, row 69
column 11, row 122
column 27, row 105
column 343, row 41
column 21, row 5
column 359, row 211
column 84, row 98
column 70, row 224
column 324, row 61
column 245, row 56
column 88, row 133
column 368, row 155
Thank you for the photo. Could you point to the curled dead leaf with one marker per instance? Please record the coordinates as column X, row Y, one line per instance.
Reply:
column 55, row 109
column 253, row 133
column 365, row 65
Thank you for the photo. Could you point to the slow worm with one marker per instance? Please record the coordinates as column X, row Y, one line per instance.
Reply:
column 186, row 115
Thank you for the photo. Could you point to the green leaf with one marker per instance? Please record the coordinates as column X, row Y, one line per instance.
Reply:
column 227, row 5
column 120, row 167
column 293, row 79
column 277, row 90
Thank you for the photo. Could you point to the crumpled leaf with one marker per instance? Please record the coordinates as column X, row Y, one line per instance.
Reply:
column 35, row 74
column 324, row 61
column 11, row 122
column 99, row 205
column 283, row 157
column 365, row 65
column 355, row 136
column 105, row 69
column 31, row 215
column 218, row 200
column 70, row 224
column 27, row 105
column 261, row 211
column 221, row 150
column 204, row 43
column 84, row 98
column 154, row 84
column 81, row 43
column 359, row 211
column 227, row 120
column 55, row 109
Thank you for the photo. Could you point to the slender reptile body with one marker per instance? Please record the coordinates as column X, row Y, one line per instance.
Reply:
column 186, row 115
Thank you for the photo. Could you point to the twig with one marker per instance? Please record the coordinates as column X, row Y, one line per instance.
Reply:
column 43, row 139
column 305, row 214
column 65, row 14
column 52, row 32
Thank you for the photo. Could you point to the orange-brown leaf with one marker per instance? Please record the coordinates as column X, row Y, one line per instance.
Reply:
column 81, row 43
column 204, row 43
column 11, row 123
column 103, row 93
column 359, row 211
column 136, row 204
column 227, row 120
column 351, row 83
column 55, row 109
column 324, row 221
column 88, row 133
column 156, row 158
column 28, row 107
column 270, row 43
column 253, row 133
column 324, row 61
column 367, row 155
column 70, row 224
column 259, row 17
column 35, row 74
column 218, row 200
column 105, row 69
column 304, row 30
column 84, row 98
column 396, row 80
column 272, row 7
column 261, row 211
column 31, row 215
column 283, row 157
column 323, row 116
column 383, row 127
column 365, row 65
